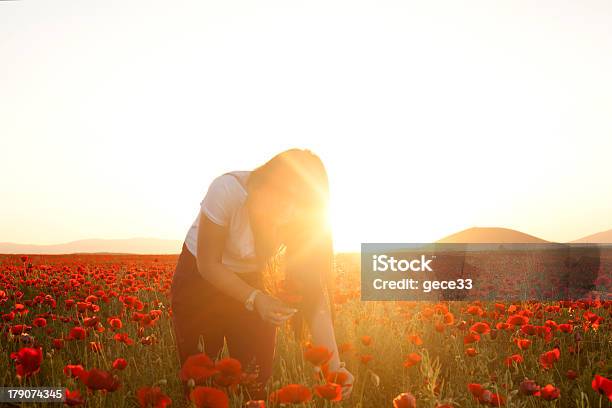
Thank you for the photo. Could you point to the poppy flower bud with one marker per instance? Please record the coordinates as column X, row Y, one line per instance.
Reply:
column 255, row 404
column 529, row 387
column 571, row 374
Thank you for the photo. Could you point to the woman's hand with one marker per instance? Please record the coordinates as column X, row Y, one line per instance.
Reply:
column 272, row 310
column 347, row 386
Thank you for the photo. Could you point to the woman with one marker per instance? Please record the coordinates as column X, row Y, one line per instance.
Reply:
column 248, row 220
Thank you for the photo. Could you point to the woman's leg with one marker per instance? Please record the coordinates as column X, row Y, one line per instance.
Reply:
column 189, row 324
column 198, row 309
column 252, row 341
column 194, row 312
column 195, row 306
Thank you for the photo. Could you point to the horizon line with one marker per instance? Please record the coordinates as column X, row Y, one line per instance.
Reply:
column 343, row 249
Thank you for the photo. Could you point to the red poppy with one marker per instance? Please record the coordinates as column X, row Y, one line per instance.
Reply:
column 404, row 400
column 155, row 314
column 73, row 370
column 547, row 359
column 476, row 389
column 337, row 377
column 515, row 358
column 96, row 379
column 20, row 308
column 503, row 326
column 366, row 340
column 58, row 344
column 528, row 329
column 91, row 321
column 471, row 338
column 366, row 358
column 73, row 398
column 19, row 328
column 500, row 307
column 517, row 320
column 291, row 394
column 522, row 344
column 412, row 359
column 77, row 333
column 485, row 396
column 28, row 361
column 119, row 364
column 230, row 372
column 548, row 393
column 152, row 397
column 480, row 328
column 208, row 397
column 415, row 339
column 198, row 367
column 497, row 400
column 7, row 317
column 115, row 323
column 602, row 385
column 123, row 338
column 317, row 355
column 545, row 332
column 475, row 310
column 329, row 391
column 449, row 318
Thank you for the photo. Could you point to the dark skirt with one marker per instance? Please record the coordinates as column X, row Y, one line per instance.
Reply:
column 199, row 309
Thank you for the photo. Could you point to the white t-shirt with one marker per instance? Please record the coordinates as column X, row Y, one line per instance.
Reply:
column 224, row 205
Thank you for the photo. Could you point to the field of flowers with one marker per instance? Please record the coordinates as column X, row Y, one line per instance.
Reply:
column 100, row 327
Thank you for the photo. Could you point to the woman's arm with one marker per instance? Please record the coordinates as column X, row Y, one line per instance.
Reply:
column 211, row 241
column 322, row 330
column 309, row 263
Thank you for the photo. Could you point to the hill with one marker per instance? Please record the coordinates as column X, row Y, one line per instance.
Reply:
column 128, row 245
column 604, row 237
column 491, row 235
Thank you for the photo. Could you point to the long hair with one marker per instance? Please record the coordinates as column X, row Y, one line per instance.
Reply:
column 305, row 243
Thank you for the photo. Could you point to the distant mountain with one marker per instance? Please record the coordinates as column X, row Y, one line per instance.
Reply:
column 128, row 246
column 604, row 237
column 491, row 235
column 168, row 246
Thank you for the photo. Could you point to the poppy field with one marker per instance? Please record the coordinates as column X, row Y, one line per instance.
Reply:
column 100, row 327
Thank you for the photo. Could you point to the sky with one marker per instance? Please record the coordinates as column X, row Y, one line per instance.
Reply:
column 430, row 116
